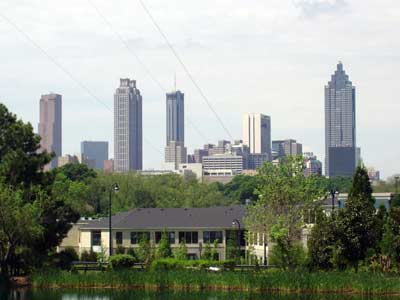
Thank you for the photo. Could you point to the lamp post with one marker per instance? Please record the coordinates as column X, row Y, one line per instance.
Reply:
column 114, row 188
column 234, row 223
column 334, row 193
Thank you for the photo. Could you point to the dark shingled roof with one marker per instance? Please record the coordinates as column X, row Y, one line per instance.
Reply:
column 160, row 218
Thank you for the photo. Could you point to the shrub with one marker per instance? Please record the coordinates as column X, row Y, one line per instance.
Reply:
column 88, row 256
column 64, row 258
column 121, row 261
column 120, row 250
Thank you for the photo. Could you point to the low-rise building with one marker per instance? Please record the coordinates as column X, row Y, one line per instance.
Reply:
column 195, row 227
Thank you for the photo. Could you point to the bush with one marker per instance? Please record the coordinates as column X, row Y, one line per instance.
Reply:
column 121, row 261
column 176, row 264
column 120, row 250
column 64, row 258
column 88, row 256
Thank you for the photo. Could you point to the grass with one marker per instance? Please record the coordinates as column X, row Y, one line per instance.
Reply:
column 294, row 282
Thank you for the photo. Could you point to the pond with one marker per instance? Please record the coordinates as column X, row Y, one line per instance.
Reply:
column 46, row 294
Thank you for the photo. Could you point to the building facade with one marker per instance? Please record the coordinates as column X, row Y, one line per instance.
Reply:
column 289, row 147
column 226, row 162
column 128, row 127
column 175, row 117
column 96, row 150
column 257, row 133
column 175, row 154
column 196, row 227
column 50, row 126
column 340, row 125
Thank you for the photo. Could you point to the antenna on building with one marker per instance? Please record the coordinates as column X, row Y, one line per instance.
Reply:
column 175, row 82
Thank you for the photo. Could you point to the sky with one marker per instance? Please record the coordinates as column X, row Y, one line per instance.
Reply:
column 267, row 56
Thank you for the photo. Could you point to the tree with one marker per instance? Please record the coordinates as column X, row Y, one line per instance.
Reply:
column 34, row 220
column 19, row 228
column 76, row 172
column 164, row 248
column 321, row 243
column 21, row 162
column 181, row 252
column 144, row 252
column 207, row 253
column 232, row 246
column 357, row 221
column 284, row 192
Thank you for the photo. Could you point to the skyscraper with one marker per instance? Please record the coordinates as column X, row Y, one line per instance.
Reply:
column 95, row 150
column 175, row 117
column 175, row 150
column 128, row 129
column 50, row 126
column 257, row 133
column 340, row 125
column 283, row 148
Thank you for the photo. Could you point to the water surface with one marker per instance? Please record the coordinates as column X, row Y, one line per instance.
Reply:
column 47, row 294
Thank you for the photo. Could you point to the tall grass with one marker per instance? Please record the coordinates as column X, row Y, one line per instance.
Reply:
column 301, row 282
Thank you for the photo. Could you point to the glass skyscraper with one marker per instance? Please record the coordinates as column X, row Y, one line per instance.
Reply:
column 340, row 125
column 128, row 128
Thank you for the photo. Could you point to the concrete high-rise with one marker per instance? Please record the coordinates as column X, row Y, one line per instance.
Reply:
column 284, row 148
column 128, row 127
column 95, row 150
column 257, row 133
column 175, row 117
column 50, row 126
column 175, row 150
column 340, row 125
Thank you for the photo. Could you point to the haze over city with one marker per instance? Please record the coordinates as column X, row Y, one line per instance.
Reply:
column 274, row 58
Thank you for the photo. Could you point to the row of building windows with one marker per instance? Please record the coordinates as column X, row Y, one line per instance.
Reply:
column 187, row 237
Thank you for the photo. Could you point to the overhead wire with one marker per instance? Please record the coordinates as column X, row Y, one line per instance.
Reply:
column 202, row 94
column 140, row 61
column 65, row 71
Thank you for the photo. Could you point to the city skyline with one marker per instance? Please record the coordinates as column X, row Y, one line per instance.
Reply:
column 256, row 66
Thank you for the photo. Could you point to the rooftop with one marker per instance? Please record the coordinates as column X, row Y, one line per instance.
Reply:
column 160, row 218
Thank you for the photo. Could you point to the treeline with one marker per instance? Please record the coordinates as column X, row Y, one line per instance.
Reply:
column 88, row 191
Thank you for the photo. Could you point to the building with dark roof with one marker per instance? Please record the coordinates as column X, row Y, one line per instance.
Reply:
column 195, row 227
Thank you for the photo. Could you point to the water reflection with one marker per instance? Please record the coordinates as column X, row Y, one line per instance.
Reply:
column 25, row 294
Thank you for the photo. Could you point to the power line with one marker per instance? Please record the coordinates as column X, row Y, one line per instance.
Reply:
column 185, row 68
column 126, row 45
column 65, row 71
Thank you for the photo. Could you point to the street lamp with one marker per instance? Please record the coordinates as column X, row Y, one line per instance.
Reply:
column 234, row 223
column 334, row 193
column 114, row 188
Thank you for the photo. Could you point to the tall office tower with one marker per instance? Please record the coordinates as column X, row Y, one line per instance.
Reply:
column 95, row 150
column 128, row 128
column 175, row 117
column 257, row 133
column 340, row 125
column 50, row 126
column 175, row 150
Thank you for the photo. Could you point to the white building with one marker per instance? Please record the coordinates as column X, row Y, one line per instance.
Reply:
column 257, row 133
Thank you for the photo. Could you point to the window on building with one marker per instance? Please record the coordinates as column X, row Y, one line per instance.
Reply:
column 136, row 237
column 119, row 238
column 211, row 236
column 188, row 237
column 171, row 236
column 96, row 238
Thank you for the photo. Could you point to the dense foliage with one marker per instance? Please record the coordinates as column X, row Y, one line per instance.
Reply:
column 34, row 219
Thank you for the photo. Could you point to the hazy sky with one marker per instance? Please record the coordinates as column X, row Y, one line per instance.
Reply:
column 268, row 56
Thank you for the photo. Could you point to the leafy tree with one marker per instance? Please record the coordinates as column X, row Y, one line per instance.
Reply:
column 164, row 248
column 242, row 188
column 144, row 252
column 181, row 252
column 20, row 227
column 34, row 220
column 207, row 253
column 284, row 192
column 21, row 162
column 321, row 243
column 232, row 246
column 76, row 172
column 357, row 221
